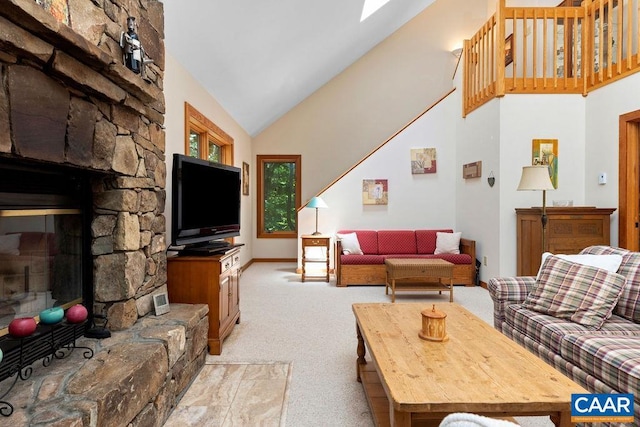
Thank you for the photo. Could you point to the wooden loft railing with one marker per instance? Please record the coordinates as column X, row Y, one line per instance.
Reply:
column 557, row 50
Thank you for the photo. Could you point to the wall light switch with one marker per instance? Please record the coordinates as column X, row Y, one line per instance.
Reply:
column 602, row 178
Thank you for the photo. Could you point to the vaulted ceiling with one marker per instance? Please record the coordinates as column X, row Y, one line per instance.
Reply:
column 259, row 59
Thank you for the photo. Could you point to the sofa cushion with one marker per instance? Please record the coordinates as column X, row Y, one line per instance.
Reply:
column 577, row 292
column 368, row 240
column 610, row 262
column 629, row 303
column 549, row 331
column 361, row 259
column 350, row 244
column 396, row 242
column 426, row 240
column 614, row 360
column 447, row 243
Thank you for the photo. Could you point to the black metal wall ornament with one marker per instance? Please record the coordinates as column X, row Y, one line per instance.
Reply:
column 491, row 179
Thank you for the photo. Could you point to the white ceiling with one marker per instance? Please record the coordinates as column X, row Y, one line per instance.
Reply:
column 260, row 58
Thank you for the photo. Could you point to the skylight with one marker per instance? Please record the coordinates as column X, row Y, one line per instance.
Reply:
column 370, row 7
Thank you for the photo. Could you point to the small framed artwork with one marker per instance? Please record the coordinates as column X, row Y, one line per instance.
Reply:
column 423, row 160
column 545, row 152
column 375, row 192
column 472, row 170
column 161, row 303
column 508, row 50
column 245, row 178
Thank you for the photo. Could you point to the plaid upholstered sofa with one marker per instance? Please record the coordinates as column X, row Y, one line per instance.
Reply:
column 601, row 353
column 366, row 267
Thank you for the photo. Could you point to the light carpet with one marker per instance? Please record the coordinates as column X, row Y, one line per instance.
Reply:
column 311, row 325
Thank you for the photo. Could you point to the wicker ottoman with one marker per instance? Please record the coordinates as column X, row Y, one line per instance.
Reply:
column 413, row 274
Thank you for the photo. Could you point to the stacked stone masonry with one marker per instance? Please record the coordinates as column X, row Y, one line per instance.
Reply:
column 66, row 98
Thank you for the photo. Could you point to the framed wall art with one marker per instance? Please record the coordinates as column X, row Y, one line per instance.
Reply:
column 245, row 178
column 423, row 160
column 375, row 192
column 472, row 170
column 508, row 50
column 545, row 152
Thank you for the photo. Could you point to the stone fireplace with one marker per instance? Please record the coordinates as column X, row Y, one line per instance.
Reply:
column 68, row 104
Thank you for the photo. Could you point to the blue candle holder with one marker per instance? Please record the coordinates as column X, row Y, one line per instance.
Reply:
column 52, row 315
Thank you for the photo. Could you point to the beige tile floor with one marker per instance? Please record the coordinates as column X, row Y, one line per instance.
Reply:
column 235, row 394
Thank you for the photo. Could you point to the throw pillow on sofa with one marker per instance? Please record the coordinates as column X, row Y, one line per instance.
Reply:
column 350, row 244
column 447, row 243
column 608, row 262
column 577, row 292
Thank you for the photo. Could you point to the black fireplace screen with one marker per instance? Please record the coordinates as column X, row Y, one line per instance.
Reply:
column 45, row 239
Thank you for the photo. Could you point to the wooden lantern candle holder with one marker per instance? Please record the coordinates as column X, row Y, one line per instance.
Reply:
column 434, row 326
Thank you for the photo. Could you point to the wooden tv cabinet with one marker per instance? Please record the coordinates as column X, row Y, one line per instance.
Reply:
column 212, row 280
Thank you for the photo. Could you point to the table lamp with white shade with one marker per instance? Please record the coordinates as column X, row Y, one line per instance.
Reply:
column 317, row 203
column 537, row 178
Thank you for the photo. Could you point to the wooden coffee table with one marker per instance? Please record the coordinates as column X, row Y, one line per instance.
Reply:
column 418, row 274
column 478, row 370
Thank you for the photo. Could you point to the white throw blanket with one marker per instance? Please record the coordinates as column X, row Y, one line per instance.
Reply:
column 472, row 420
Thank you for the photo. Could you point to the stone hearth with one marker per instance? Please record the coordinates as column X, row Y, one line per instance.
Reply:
column 67, row 99
column 135, row 378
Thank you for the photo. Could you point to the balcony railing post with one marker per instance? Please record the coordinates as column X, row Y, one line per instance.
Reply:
column 500, row 48
column 466, row 73
column 587, row 49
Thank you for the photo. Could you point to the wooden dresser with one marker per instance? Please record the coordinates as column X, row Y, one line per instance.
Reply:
column 212, row 280
column 569, row 230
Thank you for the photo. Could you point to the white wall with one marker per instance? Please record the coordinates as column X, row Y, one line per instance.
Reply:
column 478, row 139
column 415, row 201
column 603, row 109
column 522, row 119
column 340, row 123
column 500, row 134
column 181, row 87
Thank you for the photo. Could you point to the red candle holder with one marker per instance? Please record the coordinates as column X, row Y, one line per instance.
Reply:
column 77, row 314
column 22, row 327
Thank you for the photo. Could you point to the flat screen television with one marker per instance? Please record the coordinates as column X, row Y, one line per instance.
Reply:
column 205, row 202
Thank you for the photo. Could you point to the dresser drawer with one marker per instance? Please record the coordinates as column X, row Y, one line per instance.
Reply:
column 226, row 264
column 320, row 241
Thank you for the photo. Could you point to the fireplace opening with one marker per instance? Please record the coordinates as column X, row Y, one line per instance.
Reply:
column 45, row 239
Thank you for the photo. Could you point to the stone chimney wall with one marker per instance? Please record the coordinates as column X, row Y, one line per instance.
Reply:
column 67, row 98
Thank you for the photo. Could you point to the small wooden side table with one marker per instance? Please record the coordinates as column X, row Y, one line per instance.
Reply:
column 315, row 241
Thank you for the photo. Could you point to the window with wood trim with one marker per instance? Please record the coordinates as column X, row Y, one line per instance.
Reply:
column 279, row 178
column 204, row 139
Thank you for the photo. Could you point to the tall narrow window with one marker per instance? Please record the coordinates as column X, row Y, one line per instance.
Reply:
column 278, row 195
column 204, row 139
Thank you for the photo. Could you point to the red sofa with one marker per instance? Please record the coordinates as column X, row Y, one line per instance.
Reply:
column 369, row 268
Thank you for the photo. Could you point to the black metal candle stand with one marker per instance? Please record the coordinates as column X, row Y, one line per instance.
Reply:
column 46, row 343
